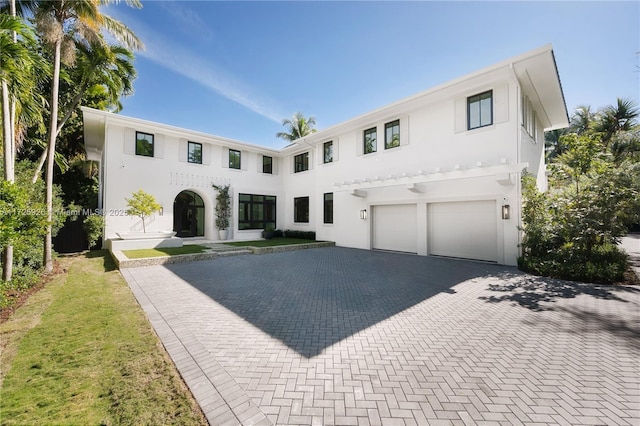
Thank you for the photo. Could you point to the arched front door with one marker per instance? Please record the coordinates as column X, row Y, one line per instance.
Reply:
column 188, row 215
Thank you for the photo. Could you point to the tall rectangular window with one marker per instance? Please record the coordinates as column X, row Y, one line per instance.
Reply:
column 480, row 110
column 267, row 164
column 301, row 162
column 328, row 207
column 256, row 211
column 301, row 209
column 144, row 144
column 194, row 154
column 392, row 134
column 234, row 159
column 327, row 152
column 370, row 140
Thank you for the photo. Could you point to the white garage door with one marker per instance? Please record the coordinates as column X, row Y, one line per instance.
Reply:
column 394, row 228
column 463, row 229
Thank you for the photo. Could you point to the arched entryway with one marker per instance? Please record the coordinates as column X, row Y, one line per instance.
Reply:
column 188, row 215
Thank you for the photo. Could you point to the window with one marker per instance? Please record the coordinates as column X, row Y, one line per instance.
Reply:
column 480, row 110
column 144, row 144
column 327, row 152
column 301, row 162
column 370, row 140
column 194, row 154
column 267, row 164
column 301, row 209
column 234, row 159
column 328, row 207
column 529, row 118
column 256, row 211
column 392, row 134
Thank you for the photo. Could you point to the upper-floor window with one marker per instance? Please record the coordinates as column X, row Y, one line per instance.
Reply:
column 327, row 152
column 194, row 153
column 144, row 144
column 480, row 110
column 529, row 118
column 328, row 207
column 301, row 209
column 234, row 159
column 392, row 134
column 301, row 162
column 370, row 140
column 267, row 164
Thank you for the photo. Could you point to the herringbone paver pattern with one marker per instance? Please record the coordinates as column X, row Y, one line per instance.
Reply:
column 338, row 336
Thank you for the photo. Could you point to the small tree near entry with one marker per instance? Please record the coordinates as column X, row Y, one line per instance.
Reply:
column 223, row 206
column 142, row 205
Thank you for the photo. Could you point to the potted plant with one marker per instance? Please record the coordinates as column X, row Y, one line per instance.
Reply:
column 267, row 234
column 223, row 209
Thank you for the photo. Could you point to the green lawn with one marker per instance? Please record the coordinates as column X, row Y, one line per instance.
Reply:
column 81, row 352
column 270, row 243
column 160, row 252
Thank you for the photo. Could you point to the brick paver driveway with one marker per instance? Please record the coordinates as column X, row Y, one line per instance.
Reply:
column 337, row 336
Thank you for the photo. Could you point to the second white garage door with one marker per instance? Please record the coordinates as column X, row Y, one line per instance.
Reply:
column 394, row 228
column 463, row 229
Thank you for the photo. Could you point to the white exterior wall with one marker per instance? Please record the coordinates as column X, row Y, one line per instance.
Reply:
column 438, row 161
column 168, row 173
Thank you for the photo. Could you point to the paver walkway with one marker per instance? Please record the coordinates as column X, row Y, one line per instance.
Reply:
column 337, row 336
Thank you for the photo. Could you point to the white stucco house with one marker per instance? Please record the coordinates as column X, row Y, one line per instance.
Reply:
column 437, row 173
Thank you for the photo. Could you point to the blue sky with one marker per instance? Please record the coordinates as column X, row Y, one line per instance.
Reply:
column 236, row 69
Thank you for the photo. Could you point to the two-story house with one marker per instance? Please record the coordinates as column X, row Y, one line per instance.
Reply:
column 437, row 173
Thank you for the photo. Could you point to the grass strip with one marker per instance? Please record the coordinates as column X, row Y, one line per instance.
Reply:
column 89, row 356
column 163, row 251
column 283, row 241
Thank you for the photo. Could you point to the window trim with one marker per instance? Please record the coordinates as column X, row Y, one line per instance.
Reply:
column 153, row 144
column 296, row 214
column 301, row 160
column 189, row 144
column 324, row 152
column 374, row 149
column 239, row 159
column 270, row 168
column 326, row 208
column 391, row 124
column 480, row 97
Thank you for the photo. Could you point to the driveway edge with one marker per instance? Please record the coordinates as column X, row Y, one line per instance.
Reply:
column 221, row 399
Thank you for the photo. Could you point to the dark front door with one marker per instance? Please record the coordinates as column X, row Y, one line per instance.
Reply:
column 188, row 215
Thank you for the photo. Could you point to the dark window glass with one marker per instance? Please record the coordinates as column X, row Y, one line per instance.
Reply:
column 267, row 164
column 256, row 211
column 480, row 110
column 234, row 159
column 301, row 209
column 194, row 154
column 392, row 134
column 370, row 140
column 301, row 162
column 328, row 207
column 327, row 149
column 144, row 144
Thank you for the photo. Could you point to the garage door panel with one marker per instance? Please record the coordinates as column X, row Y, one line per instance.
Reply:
column 394, row 228
column 463, row 229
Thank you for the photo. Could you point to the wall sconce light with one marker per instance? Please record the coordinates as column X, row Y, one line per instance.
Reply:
column 363, row 214
column 506, row 211
column 161, row 210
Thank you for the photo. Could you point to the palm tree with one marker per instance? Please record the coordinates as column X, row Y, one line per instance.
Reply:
column 617, row 118
column 582, row 119
column 62, row 24
column 18, row 76
column 97, row 64
column 298, row 126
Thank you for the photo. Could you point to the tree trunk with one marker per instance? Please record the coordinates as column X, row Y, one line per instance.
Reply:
column 51, row 150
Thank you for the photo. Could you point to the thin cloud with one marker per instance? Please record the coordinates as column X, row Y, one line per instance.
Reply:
column 174, row 57
column 187, row 20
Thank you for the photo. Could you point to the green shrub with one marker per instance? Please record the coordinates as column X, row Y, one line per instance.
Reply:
column 304, row 235
column 93, row 225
